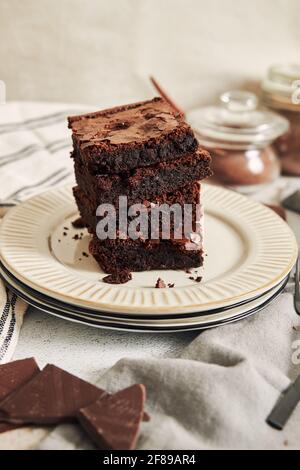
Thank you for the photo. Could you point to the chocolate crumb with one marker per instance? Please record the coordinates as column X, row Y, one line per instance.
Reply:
column 295, row 328
column 78, row 223
column 146, row 417
column 85, row 254
column 65, row 234
column 66, row 228
column 196, row 279
column 171, row 286
column 77, row 237
column 118, row 278
column 79, row 259
column 160, row 284
column 59, row 240
column 188, row 271
column 286, row 443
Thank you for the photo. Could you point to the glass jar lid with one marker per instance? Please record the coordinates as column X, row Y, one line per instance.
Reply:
column 237, row 122
column 281, row 87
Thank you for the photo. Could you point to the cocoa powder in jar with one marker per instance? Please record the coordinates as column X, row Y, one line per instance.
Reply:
column 244, row 167
column 288, row 145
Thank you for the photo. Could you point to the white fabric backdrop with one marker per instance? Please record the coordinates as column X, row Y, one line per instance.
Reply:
column 100, row 52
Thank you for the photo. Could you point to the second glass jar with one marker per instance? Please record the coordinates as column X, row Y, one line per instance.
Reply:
column 239, row 136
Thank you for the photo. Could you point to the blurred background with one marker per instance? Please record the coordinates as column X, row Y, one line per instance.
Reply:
column 101, row 52
column 70, row 56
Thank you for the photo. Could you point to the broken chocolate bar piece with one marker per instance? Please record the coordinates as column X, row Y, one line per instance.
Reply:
column 52, row 396
column 16, row 373
column 12, row 376
column 113, row 421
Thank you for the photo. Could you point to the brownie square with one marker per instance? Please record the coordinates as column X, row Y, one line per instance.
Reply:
column 115, row 256
column 189, row 194
column 146, row 152
column 132, row 136
column 144, row 253
column 144, row 183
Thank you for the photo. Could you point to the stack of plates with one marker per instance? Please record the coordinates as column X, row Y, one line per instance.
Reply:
column 250, row 254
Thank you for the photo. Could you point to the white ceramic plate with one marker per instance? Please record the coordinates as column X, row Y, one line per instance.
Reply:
column 102, row 320
column 249, row 250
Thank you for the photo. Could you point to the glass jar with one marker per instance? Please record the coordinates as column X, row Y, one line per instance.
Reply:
column 239, row 136
column 281, row 92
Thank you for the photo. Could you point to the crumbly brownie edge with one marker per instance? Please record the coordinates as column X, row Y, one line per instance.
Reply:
column 189, row 194
column 105, row 156
column 137, row 257
column 115, row 110
column 144, row 184
column 128, row 157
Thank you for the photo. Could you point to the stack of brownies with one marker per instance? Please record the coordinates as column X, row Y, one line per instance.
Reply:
column 146, row 152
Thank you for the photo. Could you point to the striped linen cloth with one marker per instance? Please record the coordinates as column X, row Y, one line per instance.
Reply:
column 35, row 144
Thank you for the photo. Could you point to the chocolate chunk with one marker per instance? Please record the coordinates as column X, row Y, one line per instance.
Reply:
column 160, row 284
column 113, row 422
column 85, row 254
column 78, row 223
column 196, row 279
column 146, row 417
column 120, row 277
column 52, row 396
column 12, row 376
column 171, row 286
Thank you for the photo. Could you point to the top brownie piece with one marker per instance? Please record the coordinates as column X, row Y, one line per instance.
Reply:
column 131, row 136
